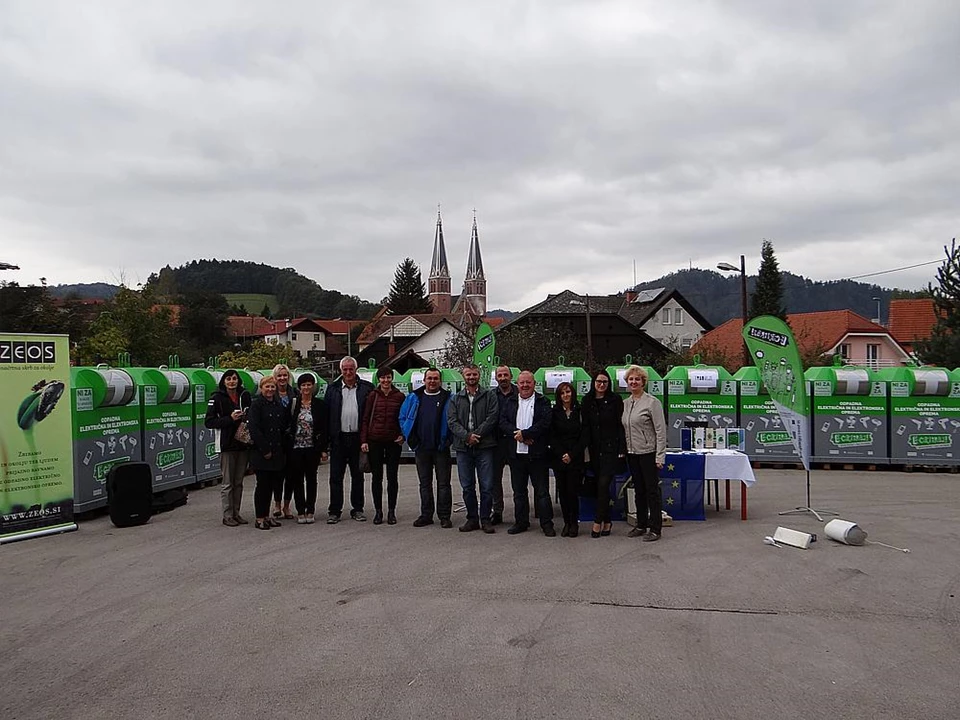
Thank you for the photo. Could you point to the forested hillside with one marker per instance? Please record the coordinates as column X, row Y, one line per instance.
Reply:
column 297, row 295
column 717, row 296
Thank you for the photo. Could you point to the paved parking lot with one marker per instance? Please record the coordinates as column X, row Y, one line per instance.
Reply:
column 186, row 618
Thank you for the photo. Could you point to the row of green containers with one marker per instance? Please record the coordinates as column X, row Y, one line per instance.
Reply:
column 153, row 415
column 904, row 415
column 900, row 415
column 156, row 415
column 858, row 415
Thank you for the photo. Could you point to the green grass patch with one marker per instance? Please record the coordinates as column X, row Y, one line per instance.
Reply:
column 253, row 302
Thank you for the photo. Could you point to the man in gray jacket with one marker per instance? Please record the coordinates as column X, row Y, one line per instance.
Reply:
column 473, row 422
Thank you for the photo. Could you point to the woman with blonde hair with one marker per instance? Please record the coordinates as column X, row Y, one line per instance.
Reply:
column 283, row 490
column 268, row 430
column 645, row 431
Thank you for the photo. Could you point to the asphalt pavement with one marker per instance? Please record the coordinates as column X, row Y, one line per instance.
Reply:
column 186, row 618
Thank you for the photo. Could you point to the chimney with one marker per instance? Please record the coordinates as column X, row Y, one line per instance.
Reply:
column 391, row 345
column 631, row 296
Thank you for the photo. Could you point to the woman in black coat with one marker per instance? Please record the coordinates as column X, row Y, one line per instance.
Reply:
column 268, row 428
column 309, row 439
column 566, row 456
column 226, row 409
column 602, row 411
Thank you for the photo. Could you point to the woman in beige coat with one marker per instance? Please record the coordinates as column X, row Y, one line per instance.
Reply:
column 646, row 435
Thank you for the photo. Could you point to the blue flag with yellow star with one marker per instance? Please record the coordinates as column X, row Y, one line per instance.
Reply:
column 681, row 481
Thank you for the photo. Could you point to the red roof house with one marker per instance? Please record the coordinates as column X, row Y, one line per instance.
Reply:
column 819, row 335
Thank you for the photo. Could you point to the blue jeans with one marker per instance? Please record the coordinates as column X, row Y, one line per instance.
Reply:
column 474, row 465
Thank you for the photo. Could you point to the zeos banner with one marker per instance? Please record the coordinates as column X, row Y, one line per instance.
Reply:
column 36, row 458
column 775, row 353
column 484, row 351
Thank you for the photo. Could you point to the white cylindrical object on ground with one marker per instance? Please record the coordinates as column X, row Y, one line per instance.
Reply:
column 846, row 532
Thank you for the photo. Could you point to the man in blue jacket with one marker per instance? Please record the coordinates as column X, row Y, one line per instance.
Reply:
column 423, row 422
column 526, row 419
column 345, row 399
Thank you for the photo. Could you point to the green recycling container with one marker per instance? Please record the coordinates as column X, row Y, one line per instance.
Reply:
column 106, row 430
column 167, row 425
column 206, row 451
column 703, row 394
column 618, row 378
column 765, row 437
column 924, row 410
column 848, row 408
column 546, row 379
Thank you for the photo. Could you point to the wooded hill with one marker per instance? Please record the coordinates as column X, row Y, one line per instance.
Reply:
column 717, row 296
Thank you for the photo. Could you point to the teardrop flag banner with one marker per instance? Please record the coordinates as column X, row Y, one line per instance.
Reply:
column 484, row 351
column 775, row 353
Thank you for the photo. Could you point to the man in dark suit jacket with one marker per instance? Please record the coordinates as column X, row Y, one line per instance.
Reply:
column 526, row 418
column 345, row 398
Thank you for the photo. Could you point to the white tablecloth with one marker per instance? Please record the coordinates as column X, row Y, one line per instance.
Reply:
column 728, row 465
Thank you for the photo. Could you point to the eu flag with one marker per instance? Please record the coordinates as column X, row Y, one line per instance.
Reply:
column 681, row 481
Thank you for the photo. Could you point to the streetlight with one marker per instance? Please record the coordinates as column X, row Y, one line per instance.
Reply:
column 877, row 301
column 586, row 306
column 729, row 267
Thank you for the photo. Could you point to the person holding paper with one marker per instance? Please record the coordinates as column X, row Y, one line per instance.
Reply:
column 226, row 410
column 645, row 431
column 601, row 412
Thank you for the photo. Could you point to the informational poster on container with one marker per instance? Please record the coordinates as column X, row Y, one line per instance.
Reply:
column 36, row 459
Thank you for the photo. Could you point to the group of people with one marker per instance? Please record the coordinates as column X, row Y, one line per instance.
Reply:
column 586, row 443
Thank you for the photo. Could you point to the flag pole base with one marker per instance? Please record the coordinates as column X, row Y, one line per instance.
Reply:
column 816, row 513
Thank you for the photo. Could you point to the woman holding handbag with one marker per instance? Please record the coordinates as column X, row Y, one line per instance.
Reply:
column 381, row 438
column 226, row 412
column 268, row 429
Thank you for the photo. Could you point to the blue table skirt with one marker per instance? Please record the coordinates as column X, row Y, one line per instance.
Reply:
column 681, row 481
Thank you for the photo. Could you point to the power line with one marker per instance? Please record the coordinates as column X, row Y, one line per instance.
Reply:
column 884, row 272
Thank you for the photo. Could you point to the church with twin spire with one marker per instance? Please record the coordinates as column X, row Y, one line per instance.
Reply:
column 473, row 297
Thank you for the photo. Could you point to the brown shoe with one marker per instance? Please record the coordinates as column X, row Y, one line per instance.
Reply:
column 230, row 522
column 241, row 520
column 651, row 537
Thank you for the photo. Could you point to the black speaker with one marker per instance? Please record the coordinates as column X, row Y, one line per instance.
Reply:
column 130, row 493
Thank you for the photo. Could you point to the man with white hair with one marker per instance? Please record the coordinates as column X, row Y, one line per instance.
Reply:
column 525, row 418
column 345, row 398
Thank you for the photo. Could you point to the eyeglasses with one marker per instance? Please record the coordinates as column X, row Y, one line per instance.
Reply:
column 601, row 382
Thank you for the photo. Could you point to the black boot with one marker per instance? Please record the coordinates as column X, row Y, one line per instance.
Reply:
column 378, row 517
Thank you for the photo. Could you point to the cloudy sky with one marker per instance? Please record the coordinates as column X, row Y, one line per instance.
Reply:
column 589, row 136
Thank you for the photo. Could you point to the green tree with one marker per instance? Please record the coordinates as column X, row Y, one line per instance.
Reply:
column 103, row 343
column 943, row 346
column 408, row 295
column 457, row 351
column 767, row 299
column 29, row 308
column 202, row 325
column 259, row 355
column 536, row 344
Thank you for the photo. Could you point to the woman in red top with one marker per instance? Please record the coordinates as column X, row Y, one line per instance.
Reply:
column 381, row 439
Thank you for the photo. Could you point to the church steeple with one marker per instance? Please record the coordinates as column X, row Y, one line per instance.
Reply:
column 439, row 281
column 474, row 283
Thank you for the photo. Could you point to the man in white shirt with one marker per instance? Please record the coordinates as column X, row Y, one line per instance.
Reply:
column 526, row 418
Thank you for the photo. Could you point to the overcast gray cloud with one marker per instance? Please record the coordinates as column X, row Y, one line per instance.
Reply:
column 588, row 135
